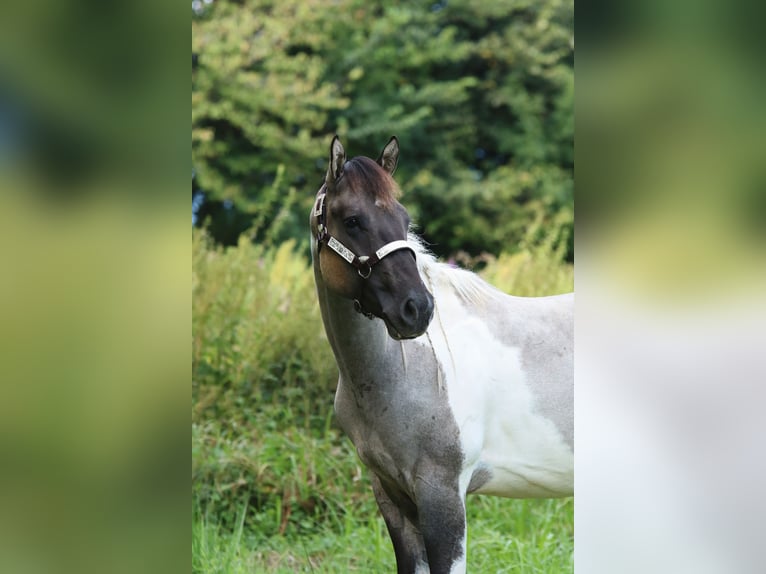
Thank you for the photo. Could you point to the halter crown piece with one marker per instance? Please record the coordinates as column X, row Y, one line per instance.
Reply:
column 363, row 263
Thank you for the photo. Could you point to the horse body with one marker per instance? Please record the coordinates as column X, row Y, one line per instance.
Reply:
column 479, row 401
column 509, row 384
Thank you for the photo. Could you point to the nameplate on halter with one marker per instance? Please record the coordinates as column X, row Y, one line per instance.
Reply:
column 341, row 249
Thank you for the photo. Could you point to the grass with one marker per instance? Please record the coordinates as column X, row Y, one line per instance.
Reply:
column 520, row 536
column 276, row 487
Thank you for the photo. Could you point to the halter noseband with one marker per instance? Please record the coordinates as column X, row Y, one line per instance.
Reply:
column 363, row 263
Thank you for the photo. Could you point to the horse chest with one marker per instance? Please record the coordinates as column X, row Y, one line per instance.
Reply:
column 395, row 434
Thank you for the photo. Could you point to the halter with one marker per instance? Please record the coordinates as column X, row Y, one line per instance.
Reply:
column 363, row 263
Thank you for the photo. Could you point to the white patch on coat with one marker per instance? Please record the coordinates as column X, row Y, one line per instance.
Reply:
column 501, row 429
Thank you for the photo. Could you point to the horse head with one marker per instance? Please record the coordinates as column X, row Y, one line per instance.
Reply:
column 361, row 231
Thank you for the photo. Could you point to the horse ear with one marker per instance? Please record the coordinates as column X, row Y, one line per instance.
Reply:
column 389, row 157
column 337, row 159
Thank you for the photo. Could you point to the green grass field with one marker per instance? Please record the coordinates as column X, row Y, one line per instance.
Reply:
column 276, row 487
column 524, row 536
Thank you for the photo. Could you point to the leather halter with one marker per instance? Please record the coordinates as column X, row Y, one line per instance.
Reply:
column 363, row 263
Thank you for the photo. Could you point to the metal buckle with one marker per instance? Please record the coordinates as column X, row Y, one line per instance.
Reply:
column 319, row 205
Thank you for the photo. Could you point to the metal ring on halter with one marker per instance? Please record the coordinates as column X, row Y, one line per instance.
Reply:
column 363, row 263
column 364, row 266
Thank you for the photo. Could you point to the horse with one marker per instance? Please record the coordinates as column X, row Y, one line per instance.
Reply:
column 447, row 386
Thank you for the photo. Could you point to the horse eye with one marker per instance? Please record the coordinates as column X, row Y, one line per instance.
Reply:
column 351, row 222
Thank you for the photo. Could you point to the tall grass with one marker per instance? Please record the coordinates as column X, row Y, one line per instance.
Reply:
column 536, row 268
column 276, row 487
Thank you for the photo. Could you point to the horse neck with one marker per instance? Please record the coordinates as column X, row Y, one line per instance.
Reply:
column 360, row 345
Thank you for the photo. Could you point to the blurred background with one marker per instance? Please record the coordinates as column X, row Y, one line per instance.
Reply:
column 94, row 287
column 671, row 274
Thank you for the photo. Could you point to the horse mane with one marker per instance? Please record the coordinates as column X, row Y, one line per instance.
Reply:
column 363, row 173
column 467, row 285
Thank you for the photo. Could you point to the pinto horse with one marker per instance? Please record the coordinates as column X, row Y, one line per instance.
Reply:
column 447, row 386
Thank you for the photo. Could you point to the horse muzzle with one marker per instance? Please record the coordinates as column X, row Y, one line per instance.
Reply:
column 411, row 318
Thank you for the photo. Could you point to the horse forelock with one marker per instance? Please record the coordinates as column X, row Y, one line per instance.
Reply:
column 362, row 173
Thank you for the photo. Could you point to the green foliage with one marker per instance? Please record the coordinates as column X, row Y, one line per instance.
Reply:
column 537, row 268
column 259, row 101
column 256, row 328
column 262, row 389
column 276, row 485
column 479, row 94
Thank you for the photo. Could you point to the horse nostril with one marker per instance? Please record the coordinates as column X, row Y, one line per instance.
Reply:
column 410, row 310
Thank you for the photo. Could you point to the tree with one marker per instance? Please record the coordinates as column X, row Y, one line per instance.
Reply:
column 259, row 108
column 479, row 94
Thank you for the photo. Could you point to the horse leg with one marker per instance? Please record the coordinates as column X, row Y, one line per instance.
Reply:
column 441, row 520
column 408, row 543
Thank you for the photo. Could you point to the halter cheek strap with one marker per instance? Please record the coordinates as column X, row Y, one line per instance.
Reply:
column 363, row 263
